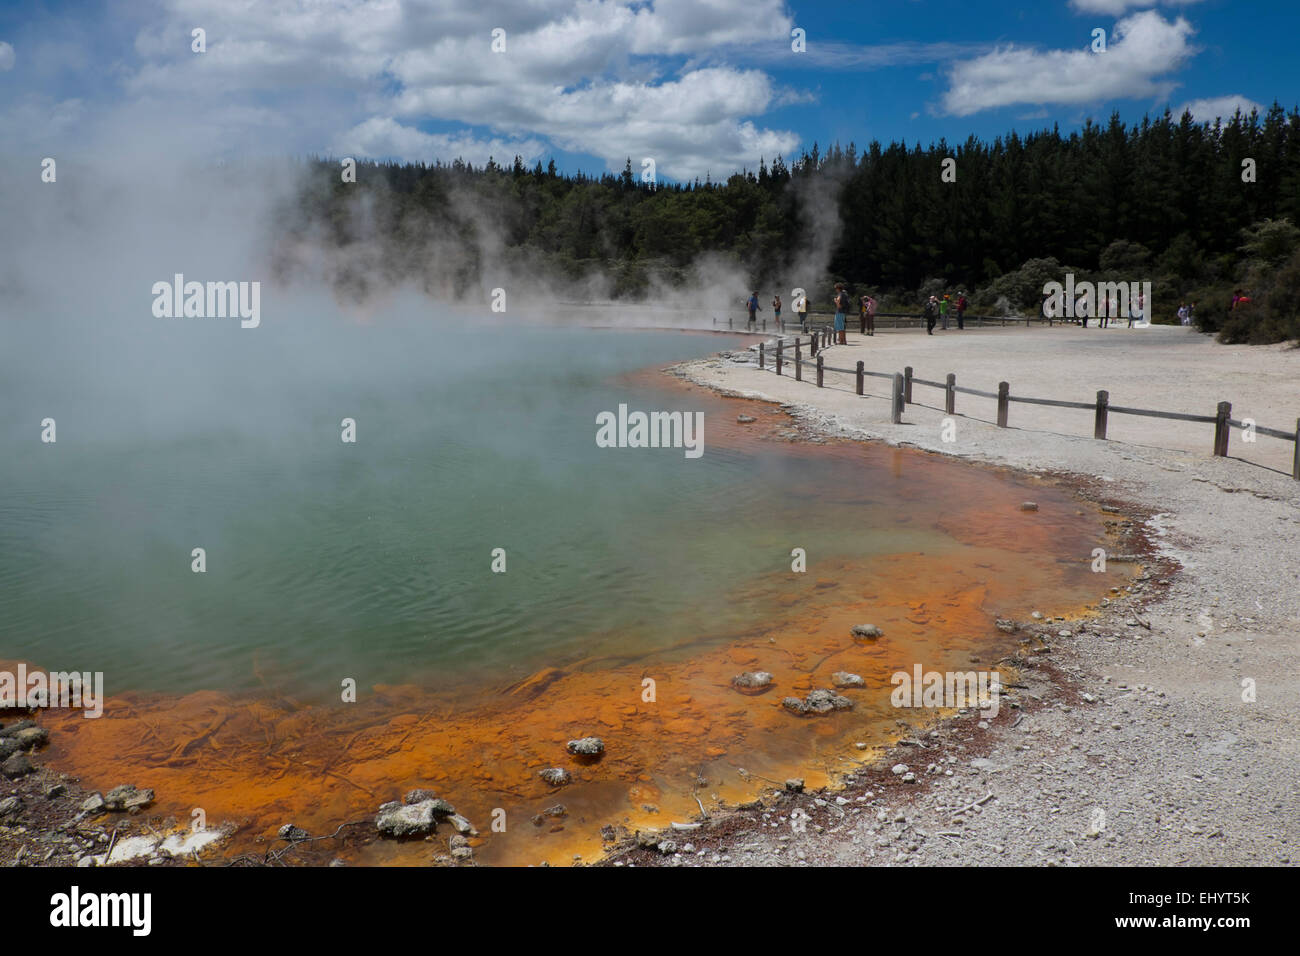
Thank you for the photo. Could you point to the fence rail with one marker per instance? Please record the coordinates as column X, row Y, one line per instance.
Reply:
column 820, row 339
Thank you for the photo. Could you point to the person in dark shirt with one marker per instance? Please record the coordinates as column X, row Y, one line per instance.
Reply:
column 752, row 306
column 841, row 310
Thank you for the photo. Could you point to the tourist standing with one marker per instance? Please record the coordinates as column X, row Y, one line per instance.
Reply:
column 776, row 309
column 871, row 315
column 961, row 310
column 943, row 312
column 801, row 307
column 841, row 308
column 752, row 307
column 931, row 311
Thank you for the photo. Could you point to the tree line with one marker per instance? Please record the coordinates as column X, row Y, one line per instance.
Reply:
column 1200, row 209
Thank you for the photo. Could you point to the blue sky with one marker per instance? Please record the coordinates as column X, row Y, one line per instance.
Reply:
column 700, row 86
column 1230, row 56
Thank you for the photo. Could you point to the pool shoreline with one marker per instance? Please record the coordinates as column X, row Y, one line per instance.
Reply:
column 1146, row 741
column 360, row 839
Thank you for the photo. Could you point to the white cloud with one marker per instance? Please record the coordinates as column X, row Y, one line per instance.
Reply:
column 1143, row 48
column 601, row 77
column 690, row 126
column 6, row 56
column 1116, row 8
column 48, row 121
column 1219, row 107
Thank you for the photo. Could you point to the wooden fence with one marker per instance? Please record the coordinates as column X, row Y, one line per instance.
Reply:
column 902, row 383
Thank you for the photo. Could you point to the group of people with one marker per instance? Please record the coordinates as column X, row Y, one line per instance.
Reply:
column 844, row 303
column 800, row 309
column 938, row 309
column 866, row 313
column 1106, row 310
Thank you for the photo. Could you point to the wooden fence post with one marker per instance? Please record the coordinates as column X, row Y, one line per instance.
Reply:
column 907, row 385
column 1295, row 464
column 1004, row 401
column 819, row 370
column 896, row 400
column 812, row 344
column 798, row 362
column 760, row 354
column 1103, row 412
column 950, row 394
column 860, row 378
column 780, row 348
column 1221, row 429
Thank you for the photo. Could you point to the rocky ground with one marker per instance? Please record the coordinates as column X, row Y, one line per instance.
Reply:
column 47, row 819
column 1160, row 730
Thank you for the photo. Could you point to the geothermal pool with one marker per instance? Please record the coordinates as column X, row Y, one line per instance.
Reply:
column 371, row 562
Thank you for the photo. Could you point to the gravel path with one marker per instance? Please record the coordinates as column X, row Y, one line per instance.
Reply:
column 1160, row 731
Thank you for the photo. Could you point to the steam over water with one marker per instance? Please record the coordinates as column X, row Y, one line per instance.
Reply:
column 372, row 560
column 327, row 559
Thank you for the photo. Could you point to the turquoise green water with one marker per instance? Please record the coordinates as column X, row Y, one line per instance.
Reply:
column 370, row 560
